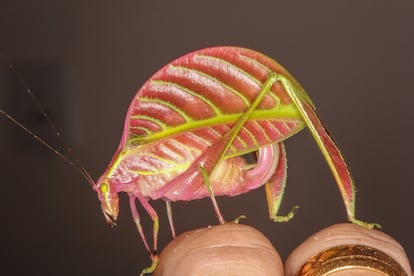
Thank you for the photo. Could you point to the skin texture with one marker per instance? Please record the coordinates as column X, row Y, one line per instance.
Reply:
column 227, row 249
column 236, row 249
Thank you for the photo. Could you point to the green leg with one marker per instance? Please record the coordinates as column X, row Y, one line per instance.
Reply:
column 329, row 149
column 229, row 137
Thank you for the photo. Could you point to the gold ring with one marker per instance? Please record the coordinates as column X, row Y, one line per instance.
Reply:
column 359, row 257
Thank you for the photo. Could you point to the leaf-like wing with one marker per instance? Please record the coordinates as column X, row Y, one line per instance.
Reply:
column 204, row 93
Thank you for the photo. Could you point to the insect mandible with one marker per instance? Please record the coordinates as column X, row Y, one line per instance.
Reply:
column 188, row 126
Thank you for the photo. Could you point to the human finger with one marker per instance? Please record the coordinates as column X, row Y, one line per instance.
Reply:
column 228, row 249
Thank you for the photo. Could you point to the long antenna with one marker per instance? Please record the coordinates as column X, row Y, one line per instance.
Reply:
column 75, row 163
column 41, row 109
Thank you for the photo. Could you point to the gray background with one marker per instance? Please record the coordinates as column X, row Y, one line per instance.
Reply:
column 86, row 59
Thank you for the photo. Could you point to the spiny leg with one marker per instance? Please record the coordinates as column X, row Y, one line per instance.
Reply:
column 275, row 188
column 329, row 149
column 170, row 217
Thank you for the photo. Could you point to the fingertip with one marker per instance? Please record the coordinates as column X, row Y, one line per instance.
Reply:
column 229, row 249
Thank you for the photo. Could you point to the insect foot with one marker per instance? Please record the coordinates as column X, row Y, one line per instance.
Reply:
column 287, row 217
column 237, row 220
column 365, row 224
column 152, row 267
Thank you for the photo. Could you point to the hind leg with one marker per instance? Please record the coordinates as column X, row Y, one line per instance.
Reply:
column 275, row 188
column 328, row 147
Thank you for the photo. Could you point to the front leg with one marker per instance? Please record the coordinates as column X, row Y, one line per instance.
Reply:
column 152, row 213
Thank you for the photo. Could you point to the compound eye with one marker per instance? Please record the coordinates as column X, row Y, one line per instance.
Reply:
column 104, row 187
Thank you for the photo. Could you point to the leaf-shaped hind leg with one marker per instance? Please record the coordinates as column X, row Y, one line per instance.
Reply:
column 329, row 149
column 275, row 188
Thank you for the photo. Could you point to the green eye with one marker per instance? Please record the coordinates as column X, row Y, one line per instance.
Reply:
column 104, row 187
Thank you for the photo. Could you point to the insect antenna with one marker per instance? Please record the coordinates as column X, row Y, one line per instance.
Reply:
column 41, row 109
column 73, row 162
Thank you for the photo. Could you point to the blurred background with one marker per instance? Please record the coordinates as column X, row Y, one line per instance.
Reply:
column 84, row 61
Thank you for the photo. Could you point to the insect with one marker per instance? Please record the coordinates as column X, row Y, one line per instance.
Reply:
column 188, row 126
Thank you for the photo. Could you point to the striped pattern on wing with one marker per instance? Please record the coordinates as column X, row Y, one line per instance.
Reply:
column 203, row 93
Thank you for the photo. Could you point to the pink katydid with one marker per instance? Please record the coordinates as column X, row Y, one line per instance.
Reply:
column 180, row 124
column 188, row 126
